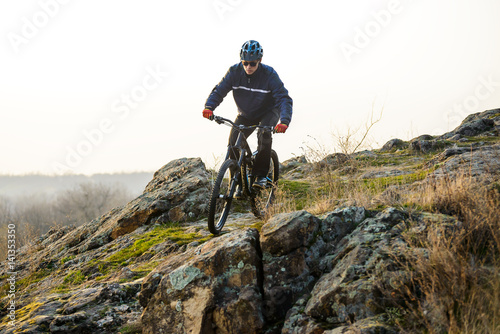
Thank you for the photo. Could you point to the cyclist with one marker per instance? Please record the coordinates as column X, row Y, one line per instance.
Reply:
column 261, row 98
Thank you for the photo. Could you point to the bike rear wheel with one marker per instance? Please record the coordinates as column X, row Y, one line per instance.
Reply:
column 263, row 198
column 222, row 196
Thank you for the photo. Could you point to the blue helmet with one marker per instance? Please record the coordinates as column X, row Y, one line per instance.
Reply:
column 251, row 50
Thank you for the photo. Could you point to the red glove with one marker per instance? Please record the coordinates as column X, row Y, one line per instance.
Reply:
column 207, row 113
column 280, row 128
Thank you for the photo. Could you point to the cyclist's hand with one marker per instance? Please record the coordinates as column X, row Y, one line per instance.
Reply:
column 207, row 113
column 280, row 128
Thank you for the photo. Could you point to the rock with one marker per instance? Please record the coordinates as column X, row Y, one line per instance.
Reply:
column 176, row 214
column 126, row 273
column 476, row 124
column 334, row 160
column 81, row 299
column 364, row 326
column 73, row 323
column 475, row 127
column 349, row 293
column 420, row 146
column 78, row 311
column 292, row 250
column 299, row 323
column 473, row 162
column 34, row 317
column 365, row 154
column 287, row 232
column 423, row 138
column 426, row 146
column 375, row 174
column 339, row 223
column 208, row 289
column 114, row 292
column 292, row 163
column 180, row 181
column 393, row 145
column 105, row 322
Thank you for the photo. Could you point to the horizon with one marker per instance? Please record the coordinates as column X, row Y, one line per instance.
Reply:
column 215, row 162
column 102, row 88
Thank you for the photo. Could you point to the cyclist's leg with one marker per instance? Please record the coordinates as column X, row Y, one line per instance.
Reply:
column 265, row 140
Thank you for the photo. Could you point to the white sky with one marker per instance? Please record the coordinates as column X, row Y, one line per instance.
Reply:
column 67, row 67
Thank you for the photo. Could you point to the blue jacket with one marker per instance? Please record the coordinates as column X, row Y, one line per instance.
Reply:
column 255, row 95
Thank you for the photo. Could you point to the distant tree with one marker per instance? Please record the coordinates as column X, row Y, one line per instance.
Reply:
column 88, row 201
column 35, row 214
column 5, row 220
column 5, row 210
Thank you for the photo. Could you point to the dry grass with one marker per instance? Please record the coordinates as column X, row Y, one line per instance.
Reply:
column 335, row 191
column 455, row 283
column 454, row 268
column 283, row 202
column 338, row 192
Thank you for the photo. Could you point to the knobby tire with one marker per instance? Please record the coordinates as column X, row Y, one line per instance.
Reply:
column 222, row 196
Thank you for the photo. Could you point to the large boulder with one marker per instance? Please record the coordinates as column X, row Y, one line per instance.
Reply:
column 350, row 292
column 287, row 243
column 294, row 247
column 214, row 288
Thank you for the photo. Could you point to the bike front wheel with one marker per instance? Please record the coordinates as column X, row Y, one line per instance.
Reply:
column 222, row 196
column 261, row 199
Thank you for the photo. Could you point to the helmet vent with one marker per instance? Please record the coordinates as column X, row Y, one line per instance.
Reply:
column 251, row 51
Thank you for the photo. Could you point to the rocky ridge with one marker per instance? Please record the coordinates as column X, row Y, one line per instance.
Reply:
column 151, row 266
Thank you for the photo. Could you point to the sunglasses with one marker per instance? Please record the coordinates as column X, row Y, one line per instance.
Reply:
column 251, row 63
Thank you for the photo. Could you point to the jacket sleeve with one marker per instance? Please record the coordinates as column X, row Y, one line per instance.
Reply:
column 283, row 101
column 220, row 91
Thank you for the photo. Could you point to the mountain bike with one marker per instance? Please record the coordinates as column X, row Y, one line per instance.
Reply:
column 234, row 172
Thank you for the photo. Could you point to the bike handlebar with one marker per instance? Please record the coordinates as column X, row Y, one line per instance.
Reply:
column 222, row 120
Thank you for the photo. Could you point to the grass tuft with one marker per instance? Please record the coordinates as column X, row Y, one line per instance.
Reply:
column 454, row 285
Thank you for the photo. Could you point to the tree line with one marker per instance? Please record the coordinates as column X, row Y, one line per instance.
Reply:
column 33, row 215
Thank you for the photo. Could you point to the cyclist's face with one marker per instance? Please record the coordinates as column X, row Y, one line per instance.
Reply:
column 249, row 69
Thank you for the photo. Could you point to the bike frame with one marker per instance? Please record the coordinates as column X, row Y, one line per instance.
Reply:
column 240, row 144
